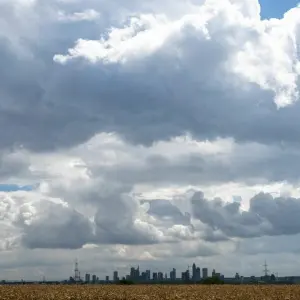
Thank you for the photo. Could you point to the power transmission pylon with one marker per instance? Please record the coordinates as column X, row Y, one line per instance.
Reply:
column 266, row 271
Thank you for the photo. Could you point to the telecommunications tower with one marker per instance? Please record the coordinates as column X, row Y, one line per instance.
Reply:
column 76, row 271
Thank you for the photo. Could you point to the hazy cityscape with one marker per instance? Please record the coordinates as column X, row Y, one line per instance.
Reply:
column 193, row 274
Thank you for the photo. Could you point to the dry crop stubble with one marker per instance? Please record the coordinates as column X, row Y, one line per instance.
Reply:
column 153, row 292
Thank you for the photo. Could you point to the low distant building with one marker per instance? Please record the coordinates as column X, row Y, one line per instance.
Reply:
column 204, row 273
column 154, row 276
column 94, row 278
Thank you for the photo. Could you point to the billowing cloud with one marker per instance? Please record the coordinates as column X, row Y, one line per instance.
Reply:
column 55, row 226
column 165, row 210
column 266, row 215
column 153, row 92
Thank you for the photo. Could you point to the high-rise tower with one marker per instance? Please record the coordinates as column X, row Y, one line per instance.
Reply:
column 194, row 271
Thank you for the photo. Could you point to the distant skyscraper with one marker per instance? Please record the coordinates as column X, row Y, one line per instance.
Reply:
column 154, row 275
column 107, row 278
column 185, row 276
column 213, row 274
column 94, row 278
column 87, row 278
column 188, row 276
column 160, row 276
column 148, row 275
column 132, row 273
column 194, row 272
column 135, row 274
column 116, row 277
column 173, row 275
column 198, row 274
column 204, row 273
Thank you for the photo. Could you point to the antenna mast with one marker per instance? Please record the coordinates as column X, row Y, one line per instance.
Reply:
column 76, row 271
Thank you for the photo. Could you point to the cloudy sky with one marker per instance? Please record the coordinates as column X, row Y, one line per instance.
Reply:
column 152, row 133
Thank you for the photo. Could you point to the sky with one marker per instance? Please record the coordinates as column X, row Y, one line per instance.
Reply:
column 276, row 8
column 146, row 133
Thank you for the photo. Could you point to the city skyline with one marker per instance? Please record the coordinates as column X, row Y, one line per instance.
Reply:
column 194, row 273
column 101, row 273
column 79, row 271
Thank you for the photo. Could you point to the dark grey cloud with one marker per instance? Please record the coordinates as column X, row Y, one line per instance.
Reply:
column 115, row 223
column 167, row 211
column 57, row 227
column 201, row 250
column 269, row 245
column 267, row 216
column 96, row 214
column 114, row 213
column 13, row 165
column 213, row 236
column 250, row 163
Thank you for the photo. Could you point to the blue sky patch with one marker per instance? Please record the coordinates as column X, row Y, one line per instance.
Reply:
column 15, row 187
column 276, row 8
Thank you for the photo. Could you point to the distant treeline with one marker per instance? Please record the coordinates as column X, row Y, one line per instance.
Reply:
column 209, row 280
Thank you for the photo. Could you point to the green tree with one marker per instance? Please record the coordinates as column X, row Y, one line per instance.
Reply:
column 212, row 280
column 125, row 281
column 273, row 278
